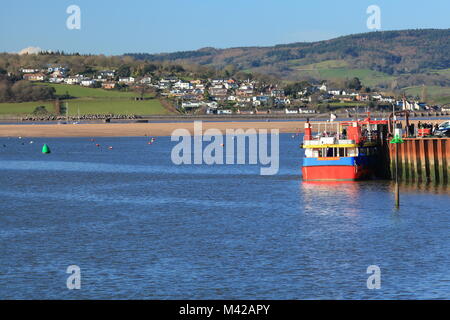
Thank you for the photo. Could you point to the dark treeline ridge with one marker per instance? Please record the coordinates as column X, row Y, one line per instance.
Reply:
column 125, row 66
column 392, row 52
column 15, row 90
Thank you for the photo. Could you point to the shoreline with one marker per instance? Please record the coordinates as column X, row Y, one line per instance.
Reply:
column 135, row 129
column 219, row 118
column 148, row 129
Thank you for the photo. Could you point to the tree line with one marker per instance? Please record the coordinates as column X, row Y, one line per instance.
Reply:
column 13, row 90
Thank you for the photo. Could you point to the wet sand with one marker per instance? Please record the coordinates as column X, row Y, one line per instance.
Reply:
column 135, row 129
column 150, row 129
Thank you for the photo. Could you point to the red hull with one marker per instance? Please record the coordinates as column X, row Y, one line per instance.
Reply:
column 334, row 173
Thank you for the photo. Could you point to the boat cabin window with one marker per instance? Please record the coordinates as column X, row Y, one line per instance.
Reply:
column 352, row 152
column 330, row 152
column 336, row 152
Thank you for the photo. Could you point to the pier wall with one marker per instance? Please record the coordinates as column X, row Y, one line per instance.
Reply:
column 422, row 160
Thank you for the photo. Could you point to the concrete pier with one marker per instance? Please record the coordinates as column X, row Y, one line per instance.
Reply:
column 422, row 160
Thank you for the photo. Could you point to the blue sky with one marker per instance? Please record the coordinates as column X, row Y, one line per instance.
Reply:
column 116, row 27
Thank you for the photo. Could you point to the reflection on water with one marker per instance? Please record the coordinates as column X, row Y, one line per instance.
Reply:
column 142, row 227
column 328, row 197
column 415, row 187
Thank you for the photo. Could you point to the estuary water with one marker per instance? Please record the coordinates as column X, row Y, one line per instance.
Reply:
column 141, row 227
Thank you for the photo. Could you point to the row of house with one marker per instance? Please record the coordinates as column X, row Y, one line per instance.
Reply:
column 224, row 91
column 105, row 78
column 211, row 94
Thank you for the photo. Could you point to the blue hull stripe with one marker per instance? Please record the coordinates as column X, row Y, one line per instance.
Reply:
column 343, row 161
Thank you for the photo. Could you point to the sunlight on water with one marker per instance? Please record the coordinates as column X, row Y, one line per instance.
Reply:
column 142, row 227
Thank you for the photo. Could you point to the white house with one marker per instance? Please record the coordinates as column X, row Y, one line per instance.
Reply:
column 72, row 80
column 335, row 92
column 377, row 97
column 277, row 93
column 304, row 110
column 29, row 70
column 283, row 101
column 58, row 79
column 127, row 80
column 87, row 82
column 165, row 84
column 60, row 70
column 146, row 80
column 34, row 76
column 107, row 73
column 323, row 87
column 224, row 111
column 388, row 99
column 57, row 73
column 183, row 85
column 191, row 104
column 231, row 85
column 218, row 81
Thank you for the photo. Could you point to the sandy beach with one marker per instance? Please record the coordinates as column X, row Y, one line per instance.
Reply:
column 146, row 129
column 135, row 129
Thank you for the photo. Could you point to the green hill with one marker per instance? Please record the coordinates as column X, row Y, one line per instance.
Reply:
column 91, row 101
column 388, row 59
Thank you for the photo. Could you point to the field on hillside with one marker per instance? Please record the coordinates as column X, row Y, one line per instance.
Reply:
column 436, row 94
column 91, row 101
column 8, row 108
column 339, row 69
column 115, row 106
column 84, row 92
column 445, row 72
column 90, row 106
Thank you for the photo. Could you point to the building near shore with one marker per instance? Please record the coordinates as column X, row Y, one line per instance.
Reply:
column 34, row 76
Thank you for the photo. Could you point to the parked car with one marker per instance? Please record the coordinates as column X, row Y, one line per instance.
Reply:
column 443, row 130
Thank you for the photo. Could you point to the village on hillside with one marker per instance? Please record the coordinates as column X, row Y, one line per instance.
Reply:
column 231, row 96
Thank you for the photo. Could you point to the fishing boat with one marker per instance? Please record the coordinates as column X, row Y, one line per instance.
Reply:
column 342, row 151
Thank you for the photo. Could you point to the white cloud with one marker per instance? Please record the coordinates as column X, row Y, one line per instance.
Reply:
column 30, row 50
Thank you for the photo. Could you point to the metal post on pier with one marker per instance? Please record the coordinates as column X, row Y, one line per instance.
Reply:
column 397, row 139
column 397, row 190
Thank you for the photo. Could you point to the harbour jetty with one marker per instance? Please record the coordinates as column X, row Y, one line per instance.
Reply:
column 422, row 159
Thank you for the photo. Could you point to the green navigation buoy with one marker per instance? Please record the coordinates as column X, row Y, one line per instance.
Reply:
column 45, row 149
column 397, row 139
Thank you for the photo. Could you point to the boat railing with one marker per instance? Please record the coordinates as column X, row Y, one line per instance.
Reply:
column 369, row 136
